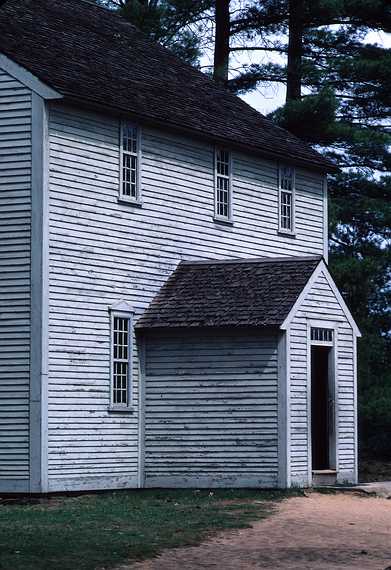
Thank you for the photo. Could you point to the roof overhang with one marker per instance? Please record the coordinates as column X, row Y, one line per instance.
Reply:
column 326, row 168
column 28, row 79
column 321, row 268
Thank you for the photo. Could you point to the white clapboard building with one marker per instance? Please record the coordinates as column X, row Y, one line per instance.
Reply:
column 167, row 317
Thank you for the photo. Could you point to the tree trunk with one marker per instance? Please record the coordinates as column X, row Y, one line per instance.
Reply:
column 221, row 52
column 295, row 49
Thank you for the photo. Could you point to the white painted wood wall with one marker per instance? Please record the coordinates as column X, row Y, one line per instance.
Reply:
column 211, row 417
column 102, row 251
column 15, row 221
column 321, row 304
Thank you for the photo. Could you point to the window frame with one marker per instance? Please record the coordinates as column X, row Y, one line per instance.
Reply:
column 281, row 229
column 135, row 200
column 322, row 331
column 129, row 316
column 218, row 217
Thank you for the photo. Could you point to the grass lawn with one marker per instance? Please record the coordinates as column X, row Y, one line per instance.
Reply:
column 102, row 530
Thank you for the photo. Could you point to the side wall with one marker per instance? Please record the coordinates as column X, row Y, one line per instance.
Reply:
column 15, row 252
column 211, row 410
column 321, row 305
column 102, row 251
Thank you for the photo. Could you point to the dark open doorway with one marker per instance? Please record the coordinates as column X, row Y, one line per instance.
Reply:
column 320, row 402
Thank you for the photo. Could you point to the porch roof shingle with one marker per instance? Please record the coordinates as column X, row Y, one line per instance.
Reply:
column 255, row 293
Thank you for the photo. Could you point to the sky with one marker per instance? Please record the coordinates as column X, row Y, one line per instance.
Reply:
column 269, row 97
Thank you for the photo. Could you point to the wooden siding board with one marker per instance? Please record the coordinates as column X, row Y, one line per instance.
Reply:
column 321, row 304
column 15, row 254
column 101, row 251
column 202, row 425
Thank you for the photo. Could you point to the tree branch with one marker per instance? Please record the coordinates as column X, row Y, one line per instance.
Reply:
column 256, row 48
column 339, row 242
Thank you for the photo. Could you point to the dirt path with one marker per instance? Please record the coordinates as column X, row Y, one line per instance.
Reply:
column 318, row 532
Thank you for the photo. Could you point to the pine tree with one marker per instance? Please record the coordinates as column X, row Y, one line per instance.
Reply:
column 222, row 41
column 347, row 115
column 176, row 24
column 295, row 49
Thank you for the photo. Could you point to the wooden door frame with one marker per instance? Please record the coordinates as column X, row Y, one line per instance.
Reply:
column 333, row 385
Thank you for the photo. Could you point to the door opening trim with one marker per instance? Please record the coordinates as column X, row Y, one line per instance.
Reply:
column 333, row 391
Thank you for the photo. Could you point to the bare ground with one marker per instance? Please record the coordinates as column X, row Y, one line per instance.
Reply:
column 342, row 531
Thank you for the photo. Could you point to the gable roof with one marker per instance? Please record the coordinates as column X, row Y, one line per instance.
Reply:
column 235, row 293
column 323, row 270
column 92, row 56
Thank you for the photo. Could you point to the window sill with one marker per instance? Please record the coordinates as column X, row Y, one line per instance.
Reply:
column 121, row 409
column 130, row 202
column 223, row 221
column 286, row 233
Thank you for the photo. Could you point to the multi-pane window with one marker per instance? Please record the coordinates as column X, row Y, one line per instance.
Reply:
column 130, row 161
column 223, row 184
column 321, row 335
column 121, row 362
column 287, row 196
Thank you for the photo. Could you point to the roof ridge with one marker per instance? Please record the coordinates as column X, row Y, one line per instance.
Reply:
column 265, row 259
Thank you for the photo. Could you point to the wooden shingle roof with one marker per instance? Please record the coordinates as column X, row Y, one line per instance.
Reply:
column 259, row 293
column 92, row 56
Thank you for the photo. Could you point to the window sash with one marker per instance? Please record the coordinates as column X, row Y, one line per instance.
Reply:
column 287, row 178
column 286, row 213
column 286, row 210
column 223, row 184
column 322, row 335
column 121, row 360
column 130, row 160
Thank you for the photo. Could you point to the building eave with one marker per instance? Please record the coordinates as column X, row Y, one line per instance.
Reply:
column 28, row 79
column 88, row 104
column 321, row 268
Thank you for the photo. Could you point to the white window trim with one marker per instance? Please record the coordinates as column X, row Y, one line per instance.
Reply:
column 217, row 217
column 281, row 230
column 137, row 200
column 123, row 314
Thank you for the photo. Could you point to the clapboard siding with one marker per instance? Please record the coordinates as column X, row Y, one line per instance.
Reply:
column 321, row 304
column 211, row 409
column 347, row 451
column 15, row 219
column 102, row 251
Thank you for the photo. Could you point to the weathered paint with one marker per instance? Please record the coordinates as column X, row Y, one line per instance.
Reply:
column 39, row 296
column 102, row 251
column 211, row 415
column 322, row 306
column 15, row 252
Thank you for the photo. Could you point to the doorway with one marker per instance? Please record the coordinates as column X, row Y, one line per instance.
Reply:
column 322, row 398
